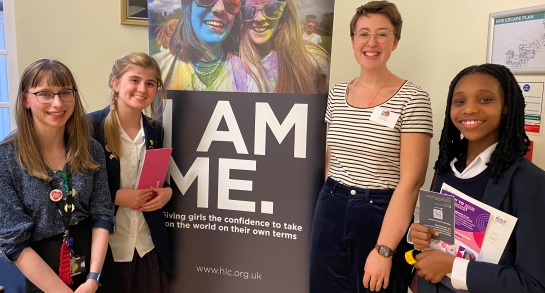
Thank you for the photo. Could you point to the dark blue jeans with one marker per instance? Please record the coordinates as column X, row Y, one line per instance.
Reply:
column 345, row 229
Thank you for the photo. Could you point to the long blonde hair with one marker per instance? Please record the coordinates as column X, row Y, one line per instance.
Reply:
column 297, row 71
column 120, row 67
column 76, row 133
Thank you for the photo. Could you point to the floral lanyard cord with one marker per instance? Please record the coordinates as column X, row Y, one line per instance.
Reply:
column 66, row 207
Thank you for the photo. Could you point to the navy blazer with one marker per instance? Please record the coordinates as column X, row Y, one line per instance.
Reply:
column 153, row 133
column 520, row 192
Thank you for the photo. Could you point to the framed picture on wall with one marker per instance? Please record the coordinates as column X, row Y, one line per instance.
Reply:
column 134, row 12
column 516, row 39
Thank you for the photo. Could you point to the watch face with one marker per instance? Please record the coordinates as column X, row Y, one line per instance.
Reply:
column 385, row 251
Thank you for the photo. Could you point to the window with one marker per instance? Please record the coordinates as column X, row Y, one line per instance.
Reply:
column 8, row 67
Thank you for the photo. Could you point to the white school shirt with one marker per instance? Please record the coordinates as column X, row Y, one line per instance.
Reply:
column 132, row 231
column 478, row 165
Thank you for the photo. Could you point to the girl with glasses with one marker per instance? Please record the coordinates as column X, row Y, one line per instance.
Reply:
column 55, row 208
column 273, row 52
column 202, row 46
column 378, row 140
column 308, row 31
column 140, row 245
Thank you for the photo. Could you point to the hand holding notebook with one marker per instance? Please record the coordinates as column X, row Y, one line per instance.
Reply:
column 153, row 169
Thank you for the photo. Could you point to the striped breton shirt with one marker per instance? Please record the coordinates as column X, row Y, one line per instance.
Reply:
column 365, row 153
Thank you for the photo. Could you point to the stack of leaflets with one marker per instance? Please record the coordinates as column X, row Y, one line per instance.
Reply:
column 480, row 231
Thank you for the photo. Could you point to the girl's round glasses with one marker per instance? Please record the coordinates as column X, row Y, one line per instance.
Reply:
column 46, row 97
column 271, row 10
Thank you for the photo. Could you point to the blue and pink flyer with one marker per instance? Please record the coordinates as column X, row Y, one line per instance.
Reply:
column 470, row 222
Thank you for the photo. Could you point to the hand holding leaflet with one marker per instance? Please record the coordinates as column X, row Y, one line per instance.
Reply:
column 437, row 212
column 498, row 230
column 481, row 232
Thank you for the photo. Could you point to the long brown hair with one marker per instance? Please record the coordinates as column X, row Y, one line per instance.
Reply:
column 120, row 67
column 76, row 133
column 185, row 44
column 298, row 71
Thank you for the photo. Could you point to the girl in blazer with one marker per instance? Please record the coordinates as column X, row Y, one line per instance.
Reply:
column 481, row 153
column 140, row 244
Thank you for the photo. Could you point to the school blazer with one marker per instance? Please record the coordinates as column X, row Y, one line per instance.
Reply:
column 155, row 220
column 520, row 192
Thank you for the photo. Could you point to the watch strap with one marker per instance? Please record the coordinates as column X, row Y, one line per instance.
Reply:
column 94, row 276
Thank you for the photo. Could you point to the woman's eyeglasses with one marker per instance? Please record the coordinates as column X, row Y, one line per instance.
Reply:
column 232, row 6
column 271, row 10
column 382, row 36
column 46, row 97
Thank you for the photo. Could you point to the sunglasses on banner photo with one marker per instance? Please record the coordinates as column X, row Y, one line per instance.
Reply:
column 271, row 10
column 232, row 6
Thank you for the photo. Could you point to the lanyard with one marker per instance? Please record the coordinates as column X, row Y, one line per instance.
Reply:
column 66, row 205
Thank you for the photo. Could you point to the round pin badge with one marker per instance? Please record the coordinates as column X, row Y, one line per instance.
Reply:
column 55, row 195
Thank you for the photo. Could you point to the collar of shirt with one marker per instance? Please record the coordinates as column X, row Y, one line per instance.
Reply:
column 132, row 152
column 476, row 166
column 137, row 139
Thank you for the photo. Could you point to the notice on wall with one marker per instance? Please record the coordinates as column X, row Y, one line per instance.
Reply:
column 533, row 92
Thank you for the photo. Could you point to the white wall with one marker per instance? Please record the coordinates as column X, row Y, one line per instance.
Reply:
column 85, row 35
column 439, row 38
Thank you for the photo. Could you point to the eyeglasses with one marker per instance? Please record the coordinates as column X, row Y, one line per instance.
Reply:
column 46, row 97
column 232, row 6
column 382, row 36
column 271, row 10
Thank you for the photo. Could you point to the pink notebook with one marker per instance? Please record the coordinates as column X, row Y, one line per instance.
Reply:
column 154, row 168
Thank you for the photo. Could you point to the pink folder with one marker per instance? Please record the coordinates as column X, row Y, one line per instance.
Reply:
column 154, row 167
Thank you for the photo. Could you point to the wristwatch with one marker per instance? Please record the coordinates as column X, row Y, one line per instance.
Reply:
column 94, row 276
column 384, row 250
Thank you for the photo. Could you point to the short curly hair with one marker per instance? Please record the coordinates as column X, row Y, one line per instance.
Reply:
column 385, row 8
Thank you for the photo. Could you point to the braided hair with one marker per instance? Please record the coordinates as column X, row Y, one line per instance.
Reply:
column 513, row 141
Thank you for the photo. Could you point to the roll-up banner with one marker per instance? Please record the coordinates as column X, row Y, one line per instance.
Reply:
column 247, row 89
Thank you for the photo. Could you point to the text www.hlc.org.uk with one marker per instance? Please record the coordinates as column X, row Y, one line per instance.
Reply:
column 229, row 272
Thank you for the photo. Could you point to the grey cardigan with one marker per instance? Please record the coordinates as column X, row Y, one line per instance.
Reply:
column 28, row 214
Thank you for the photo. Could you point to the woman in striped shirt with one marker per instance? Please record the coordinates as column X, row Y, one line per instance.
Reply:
column 379, row 130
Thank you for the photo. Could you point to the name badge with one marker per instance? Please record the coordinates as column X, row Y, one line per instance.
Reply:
column 384, row 117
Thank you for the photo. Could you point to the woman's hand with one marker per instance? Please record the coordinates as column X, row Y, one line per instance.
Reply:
column 132, row 198
column 377, row 271
column 421, row 235
column 90, row 286
column 434, row 264
column 158, row 200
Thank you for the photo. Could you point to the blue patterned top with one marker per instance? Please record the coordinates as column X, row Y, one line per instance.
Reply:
column 28, row 214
